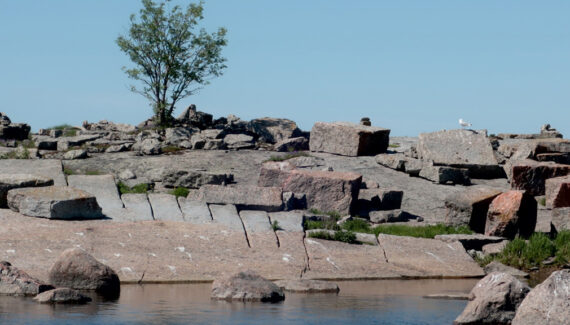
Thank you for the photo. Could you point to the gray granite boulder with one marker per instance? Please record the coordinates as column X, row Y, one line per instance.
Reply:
column 469, row 207
column 502, row 268
column 12, row 181
column 511, row 213
column 75, row 154
column 273, row 130
column 77, row 269
column 61, row 296
column 308, row 286
column 54, row 202
column 246, row 286
column 292, row 145
column 238, row 141
column 561, row 219
column 148, row 147
column 548, row 303
column 493, row 300
column 15, row 282
column 348, row 139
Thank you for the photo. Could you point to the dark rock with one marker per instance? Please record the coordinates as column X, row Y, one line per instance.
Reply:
column 12, row 181
column 348, row 139
column 548, row 303
column 389, row 216
column 4, row 119
column 294, row 201
column 15, row 131
column 193, row 179
column 308, row 286
column 15, row 282
column 378, row 199
column 476, row 241
column 557, row 157
column 192, row 117
column 445, row 175
column 246, row 286
column 531, row 176
column 493, row 300
column 548, row 132
column 469, row 207
column 76, row 269
column 273, row 130
column 62, row 296
column 292, row 145
column 558, row 192
column 510, row 214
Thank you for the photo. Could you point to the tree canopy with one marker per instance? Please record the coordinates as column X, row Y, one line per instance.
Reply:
column 172, row 58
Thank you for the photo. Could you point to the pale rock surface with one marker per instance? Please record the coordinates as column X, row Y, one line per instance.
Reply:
column 348, row 139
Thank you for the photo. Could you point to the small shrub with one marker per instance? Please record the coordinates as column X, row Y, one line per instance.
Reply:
column 420, row 231
column 61, row 127
column 332, row 214
column 538, row 248
column 328, row 224
column 171, row 149
column 180, row 191
column 345, row 236
column 68, row 171
column 275, row 225
column 288, row 156
column 137, row 189
column 542, row 201
column 357, row 225
column 562, row 244
column 394, row 145
column 321, row 235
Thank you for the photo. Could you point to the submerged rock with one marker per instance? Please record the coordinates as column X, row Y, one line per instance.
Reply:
column 15, row 282
column 308, row 286
column 62, row 296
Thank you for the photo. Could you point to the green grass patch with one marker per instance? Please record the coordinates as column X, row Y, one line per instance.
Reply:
column 180, row 191
column 23, row 153
column 332, row 214
column 528, row 254
column 171, row 149
column 342, row 236
column 68, row 171
column 357, row 225
column 93, row 172
column 542, row 201
column 61, row 127
column 288, row 156
column 394, row 145
column 70, row 133
column 420, row 231
column 137, row 189
column 275, row 225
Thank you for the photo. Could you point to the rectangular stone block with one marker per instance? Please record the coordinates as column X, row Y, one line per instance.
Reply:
column 245, row 197
column 531, row 176
column 470, row 207
column 165, row 207
column 103, row 187
column 137, row 206
column 196, row 212
column 561, row 219
column 50, row 168
column 446, row 175
column 558, row 192
column 227, row 215
column 288, row 221
column 255, row 221
column 348, row 139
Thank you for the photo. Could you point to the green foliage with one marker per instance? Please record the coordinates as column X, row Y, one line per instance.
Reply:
column 357, row 225
column 342, row 236
column 139, row 188
column 180, row 191
column 68, row 171
column 329, row 224
column 562, row 245
column 394, row 145
column 275, row 225
column 420, row 231
column 171, row 149
column 542, row 201
column 70, row 132
column 288, row 156
column 332, row 214
column 172, row 58
column 61, row 127
column 92, row 172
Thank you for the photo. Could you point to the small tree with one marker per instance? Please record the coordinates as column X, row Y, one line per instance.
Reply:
column 172, row 60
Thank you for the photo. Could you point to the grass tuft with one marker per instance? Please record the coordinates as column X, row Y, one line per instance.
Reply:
column 137, row 189
column 288, row 156
column 420, row 231
column 180, row 191
column 342, row 236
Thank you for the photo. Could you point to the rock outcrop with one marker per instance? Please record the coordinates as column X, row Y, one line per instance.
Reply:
column 348, row 139
column 61, row 296
column 246, row 286
column 245, row 197
column 511, row 213
column 13, row 181
column 273, row 130
column 16, row 282
column 470, row 207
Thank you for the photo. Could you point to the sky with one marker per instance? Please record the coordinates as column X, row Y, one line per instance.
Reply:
column 410, row 66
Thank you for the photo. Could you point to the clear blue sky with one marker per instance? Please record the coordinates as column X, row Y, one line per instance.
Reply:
column 411, row 66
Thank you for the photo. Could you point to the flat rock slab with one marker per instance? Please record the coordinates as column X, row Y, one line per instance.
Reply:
column 429, row 257
column 137, row 206
column 49, row 168
column 193, row 211
column 103, row 187
column 255, row 221
column 226, row 215
column 12, row 181
column 165, row 207
column 288, row 220
column 54, row 202
column 348, row 139
column 245, row 197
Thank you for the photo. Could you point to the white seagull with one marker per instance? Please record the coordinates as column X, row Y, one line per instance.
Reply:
column 464, row 123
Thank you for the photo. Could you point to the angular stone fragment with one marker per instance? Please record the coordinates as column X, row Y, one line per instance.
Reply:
column 476, row 241
column 273, row 130
column 548, row 303
column 561, row 219
column 194, row 179
column 62, row 296
column 12, row 181
column 531, row 176
column 245, row 197
column 165, row 207
column 75, row 154
column 460, row 148
column 49, row 168
column 396, row 215
column 558, row 192
column 103, row 187
column 294, row 201
column 193, row 211
column 239, row 141
column 308, row 286
column 557, row 157
column 15, row 282
column 292, row 145
column 227, row 215
column 54, row 202
column 400, row 162
column 348, row 139
column 137, row 206
column 76, row 269
column 274, row 173
column 148, row 147
column 15, row 131
column 502, row 268
column 510, row 214
column 469, row 207
column 214, row 144
column 255, row 221
column 493, row 300
column 288, row 221
column 445, row 175
column 246, row 286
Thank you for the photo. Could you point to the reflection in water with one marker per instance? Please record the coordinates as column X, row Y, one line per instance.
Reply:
column 365, row 302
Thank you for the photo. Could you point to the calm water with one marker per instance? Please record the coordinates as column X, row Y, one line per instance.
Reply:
column 361, row 302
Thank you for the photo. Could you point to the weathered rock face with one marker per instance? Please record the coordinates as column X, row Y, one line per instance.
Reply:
column 273, row 130
column 502, row 268
column 308, row 286
column 76, row 269
column 246, row 286
column 75, row 154
column 378, row 199
column 54, row 202
column 325, row 191
column 348, row 139
column 12, row 181
column 548, row 303
column 239, row 141
column 175, row 136
column 18, row 283
column 511, row 213
column 61, row 296
column 531, row 176
column 292, row 144
column 243, row 196
column 493, row 300
column 460, row 148
column 148, row 147
column 107, row 126
column 470, row 207
column 561, row 219
column 15, row 131
column 558, row 192
column 389, row 216
column 400, row 162
column 445, row 175
column 194, row 179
